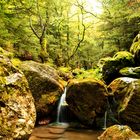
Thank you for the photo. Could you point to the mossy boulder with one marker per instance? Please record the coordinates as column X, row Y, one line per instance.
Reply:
column 87, row 99
column 133, row 72
column 128, row 110
column 65, row 73
column 6, row 54
column 17, row 110
column 119, row 132
column 45, row 85
column 111, row 67
column 135, row 50
column 117, row 90
column 126, row 100
column 102, row 61
column 119, row 86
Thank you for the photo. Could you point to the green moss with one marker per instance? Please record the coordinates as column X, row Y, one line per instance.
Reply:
column 134, row 47
column 122, row 55
column 84, row 81
column 48, row 98
column 133, row 72
column 16, row 62
column 102, row 62
column 64, row 69
column 6, row 53
column 1, row 50
column 118, row 132
column 112, row 66
column 91, row 73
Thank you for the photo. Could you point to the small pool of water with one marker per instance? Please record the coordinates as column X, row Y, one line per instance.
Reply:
column 62, row 133
column 81, row 135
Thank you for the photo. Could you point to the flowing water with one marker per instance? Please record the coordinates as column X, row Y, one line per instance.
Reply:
column 105, row 118
column 61, row 103
column 60, row 129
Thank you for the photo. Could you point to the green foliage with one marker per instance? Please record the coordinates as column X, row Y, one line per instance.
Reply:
column 91, row 73
column 64, row 69
column 120, row 22
column 16, row 62
column 68, row 30
column 134, row 47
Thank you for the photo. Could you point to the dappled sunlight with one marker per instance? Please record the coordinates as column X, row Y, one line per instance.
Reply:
column 94, row 6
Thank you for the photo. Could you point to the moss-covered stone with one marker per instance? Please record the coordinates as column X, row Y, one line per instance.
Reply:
column 17, row 110
column 118, row 132
column 117, row 86
column 5, row 53
column 112, row 66
column 133, row 72
column 45, row 85
column 102, row 62
column 126, row 100
column 65, row 73
column 87, row 99
column 135, row 50
column 117, row 90
column 129, row 107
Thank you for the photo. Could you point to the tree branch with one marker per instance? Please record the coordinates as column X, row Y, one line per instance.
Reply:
column 39, row 15
column 32, row 28
column 83, row 36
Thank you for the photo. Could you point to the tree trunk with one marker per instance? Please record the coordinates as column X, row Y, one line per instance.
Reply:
column 43, row 52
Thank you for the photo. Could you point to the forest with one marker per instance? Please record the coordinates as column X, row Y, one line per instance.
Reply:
column 68, row 33
column 69, row 69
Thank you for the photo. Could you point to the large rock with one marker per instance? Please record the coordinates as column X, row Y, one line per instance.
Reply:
column 112, row 66
column 135, row 50
column 45, row 85
column 119, row 132
column 129, row 107
column 17, row 110
column 127, row 99
column 118, row 88
column 133, row 72
column 87, row 99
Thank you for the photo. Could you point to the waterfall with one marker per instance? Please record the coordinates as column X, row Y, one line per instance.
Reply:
column 109, row 114
column 105, row 118
column 61, row 103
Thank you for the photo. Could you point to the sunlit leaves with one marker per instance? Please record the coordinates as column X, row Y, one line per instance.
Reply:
column 122, row 18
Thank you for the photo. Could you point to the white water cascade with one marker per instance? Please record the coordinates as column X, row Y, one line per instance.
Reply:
column 105, row 117
column 61, row 103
